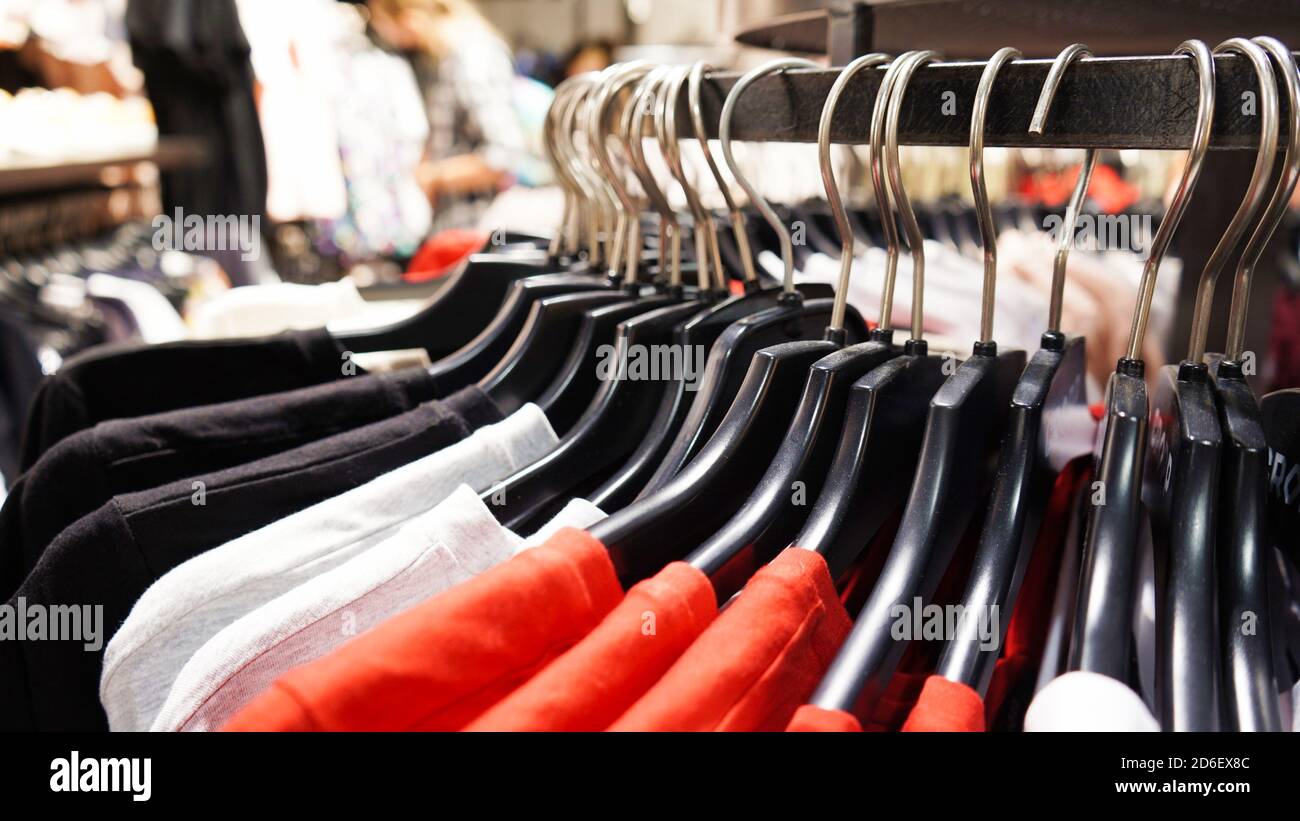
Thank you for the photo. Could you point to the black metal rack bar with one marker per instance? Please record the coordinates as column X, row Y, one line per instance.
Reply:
column 969, row 29
column 1108, row 102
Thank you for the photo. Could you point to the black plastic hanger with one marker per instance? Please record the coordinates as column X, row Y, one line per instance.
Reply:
column 1181, row 479
column 1280, row 412
column 1101, row 639
column 698, row 332
column 773, row 512
column 884, row 421
column 1049, row 401
column 531, row 363
column 1250, row 689
column 624, row 405
column 605, row 435
column 477, row 359
column 701, row 331
column 567, row 384
column 700, row 498
column 732, row 350
column 963, row 428
column 1250, row 684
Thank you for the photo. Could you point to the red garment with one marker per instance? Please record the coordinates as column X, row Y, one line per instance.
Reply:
column 1106, row 187
column 810, row 719
column 946, row 707
column 441, row 253
column 592, row 684
column 441, row 664
column 759, row 661
column 889, row 712
column 1284, row 346
column 1031, row 617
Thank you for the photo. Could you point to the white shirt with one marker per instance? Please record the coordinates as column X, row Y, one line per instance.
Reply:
column 197, row 599
column 263, row 310
column 1088, row 702
column 451, row 544
column 157, row 320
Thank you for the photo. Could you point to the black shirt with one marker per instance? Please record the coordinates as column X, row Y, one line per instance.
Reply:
column 87, row 469
column 126, row 381
column 20, row 374
column 110, row 557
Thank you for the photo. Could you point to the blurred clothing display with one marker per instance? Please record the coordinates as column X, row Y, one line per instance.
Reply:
column 197, row 73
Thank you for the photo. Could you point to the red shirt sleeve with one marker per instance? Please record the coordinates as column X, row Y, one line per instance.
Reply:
column 946, row 707
column 593, row 683
column 810, row 719
column 441, row 664
column 759, row 661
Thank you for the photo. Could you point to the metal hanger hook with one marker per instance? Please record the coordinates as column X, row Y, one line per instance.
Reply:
column 603, row 204
column 706, row 250
column 694, row 83
column 1066, row 240
column 728, row 110
column 1204, row 66
column 637, row 111
column 572, row 164
column 880, row 186
column 828, row 178
column 613, row 80
column 572, row 191
column 915, row 240
column 1250, row 204
column 1277, row 207
column 983, row 210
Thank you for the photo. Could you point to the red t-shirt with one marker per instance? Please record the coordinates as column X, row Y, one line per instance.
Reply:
column 946, row 706
column 443, row 252
column 443, row 663
column 810, row 719
column 758, row 662
column 589, row 686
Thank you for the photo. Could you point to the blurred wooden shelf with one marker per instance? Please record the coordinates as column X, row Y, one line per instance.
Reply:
column 171, row 153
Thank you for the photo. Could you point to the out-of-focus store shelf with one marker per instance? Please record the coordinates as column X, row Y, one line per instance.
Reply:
column 171, row 153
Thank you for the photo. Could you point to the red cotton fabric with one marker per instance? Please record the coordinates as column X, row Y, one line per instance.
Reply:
column 1031, row 617
column 439, row 665
column 758, row 662
column 588, row 687
column 441, row 253
column 810, row 719
column 946, row 707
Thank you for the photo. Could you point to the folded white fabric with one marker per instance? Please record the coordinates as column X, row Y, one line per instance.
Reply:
column 451, row 544
column 1088, row 702
column 260, row 310
column 197, row 599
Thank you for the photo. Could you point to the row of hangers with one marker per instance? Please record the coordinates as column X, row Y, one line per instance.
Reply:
column 799, row 391
column 67, row 233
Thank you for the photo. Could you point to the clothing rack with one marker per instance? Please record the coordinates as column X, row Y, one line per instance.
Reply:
column 1108, row 102
column 1146, row 102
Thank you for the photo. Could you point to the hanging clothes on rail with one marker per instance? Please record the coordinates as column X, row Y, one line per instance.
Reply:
column 673, row 470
